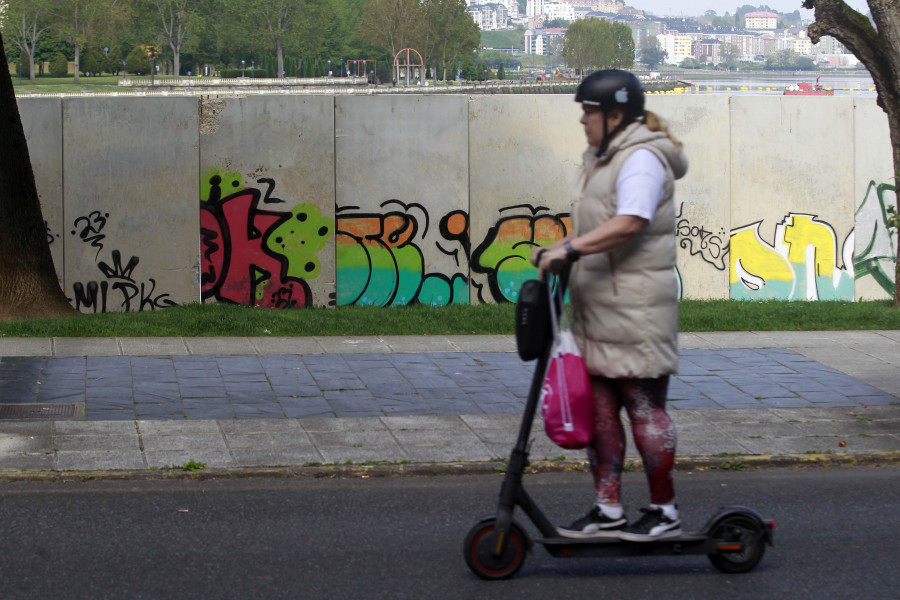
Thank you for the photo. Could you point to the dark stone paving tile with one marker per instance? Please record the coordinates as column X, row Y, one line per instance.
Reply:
column 704, row 404
column 156, row 398
column 158, row 415
column 494, row 398
column 465, row 408
column 295, row 408
column 100, row 384
column 50, row 394
column 298, row 391
column 338, row 383
column 202, row 392
column 212, row 401
column 258, row 411
column 350, row 395
column 248, row 387
column 295, row 379
column 385, row 384
column 103, row 363
column 64, row 364
column 788, row 402
column 445, row 393
column 109, row 395
column 826, row 397
column 251, row 397
column 876, row 400
column 225, row 412
column 18, row 388
column 358, row 414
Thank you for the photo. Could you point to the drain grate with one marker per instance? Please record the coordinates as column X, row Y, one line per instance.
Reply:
column 41, row 411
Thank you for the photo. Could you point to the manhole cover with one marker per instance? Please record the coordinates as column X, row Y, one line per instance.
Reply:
column 40, row 411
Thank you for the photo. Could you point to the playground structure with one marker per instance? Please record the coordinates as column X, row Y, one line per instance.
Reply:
column 409, row 59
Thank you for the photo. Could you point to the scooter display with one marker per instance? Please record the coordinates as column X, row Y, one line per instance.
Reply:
column 734, row 538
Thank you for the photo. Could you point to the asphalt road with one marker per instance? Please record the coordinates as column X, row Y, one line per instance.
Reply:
column 402, row 538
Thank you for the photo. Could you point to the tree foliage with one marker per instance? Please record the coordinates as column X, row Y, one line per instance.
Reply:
column 25, row 21
column 878, row 48
column 82, row 21
column 590, row 44
column 441, row 30
column 179, row 19
column 652, row 52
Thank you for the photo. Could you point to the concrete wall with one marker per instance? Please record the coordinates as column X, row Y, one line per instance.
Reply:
column 401, row 171
column 388, row 200
column 42, row 122
column 267, row 200
column 129, row 203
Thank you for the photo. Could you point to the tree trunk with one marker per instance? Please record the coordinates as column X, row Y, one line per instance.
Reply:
column 77, row 63
column 279, row 53
column 28, row 284
column 176, row 62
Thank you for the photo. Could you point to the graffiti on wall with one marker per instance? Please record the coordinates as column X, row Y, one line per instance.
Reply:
column 711, row 246
column 251, row 253
column 805, row 261
column 119, row 289
column 503, row 254
column 380, row 260
column 875, row 254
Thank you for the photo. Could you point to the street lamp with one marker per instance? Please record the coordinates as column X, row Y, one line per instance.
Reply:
column 242, row 68
column 87, row 81
column 329, row 67
column 342, row 67
column 252, row 66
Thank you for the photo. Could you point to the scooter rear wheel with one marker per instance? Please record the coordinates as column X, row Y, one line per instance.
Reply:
column 480, row 547
column 743, row 532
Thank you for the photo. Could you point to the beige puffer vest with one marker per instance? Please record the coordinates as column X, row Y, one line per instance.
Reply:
column 625, row 301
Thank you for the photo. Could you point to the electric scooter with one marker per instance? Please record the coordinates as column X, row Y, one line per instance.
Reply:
column 734, row 538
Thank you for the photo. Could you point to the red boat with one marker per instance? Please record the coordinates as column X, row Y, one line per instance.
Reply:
column 805, row 88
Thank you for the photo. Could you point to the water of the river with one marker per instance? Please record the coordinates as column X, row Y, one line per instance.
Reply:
column 856, row 83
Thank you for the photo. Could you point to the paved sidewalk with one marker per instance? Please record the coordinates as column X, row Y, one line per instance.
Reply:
column 142, row 404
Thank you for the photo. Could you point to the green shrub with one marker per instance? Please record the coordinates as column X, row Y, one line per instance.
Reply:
column 59, row 66
column 137, row 62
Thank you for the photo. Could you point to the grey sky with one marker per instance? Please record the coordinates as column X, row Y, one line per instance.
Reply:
column 698, row 7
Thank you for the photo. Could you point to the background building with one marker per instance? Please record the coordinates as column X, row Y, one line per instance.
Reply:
column 761, row 20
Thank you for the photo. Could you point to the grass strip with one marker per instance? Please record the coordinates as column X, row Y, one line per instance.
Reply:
column 226, row 320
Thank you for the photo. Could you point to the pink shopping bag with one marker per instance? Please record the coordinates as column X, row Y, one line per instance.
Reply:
column 567, row 402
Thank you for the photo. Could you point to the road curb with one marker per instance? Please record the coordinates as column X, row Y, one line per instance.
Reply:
column 344, row 471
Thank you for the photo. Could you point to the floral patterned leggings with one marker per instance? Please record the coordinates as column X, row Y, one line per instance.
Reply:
column 654, row 435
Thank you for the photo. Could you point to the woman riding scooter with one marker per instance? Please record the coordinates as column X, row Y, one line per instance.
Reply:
column 624, row 295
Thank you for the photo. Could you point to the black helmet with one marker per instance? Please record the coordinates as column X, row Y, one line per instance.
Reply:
column 613, row 89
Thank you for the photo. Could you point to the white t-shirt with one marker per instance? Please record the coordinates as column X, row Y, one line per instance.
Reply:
column 640, row 185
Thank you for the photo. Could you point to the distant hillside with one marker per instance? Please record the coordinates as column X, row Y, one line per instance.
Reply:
column 505, row 38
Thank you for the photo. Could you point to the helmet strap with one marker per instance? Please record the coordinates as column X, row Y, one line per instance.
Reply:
column 609, row 135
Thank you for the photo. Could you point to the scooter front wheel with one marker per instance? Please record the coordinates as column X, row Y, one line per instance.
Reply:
column 741, row 541
column 490, row 557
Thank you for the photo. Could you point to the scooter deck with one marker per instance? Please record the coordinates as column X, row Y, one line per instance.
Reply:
column 683, row 544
